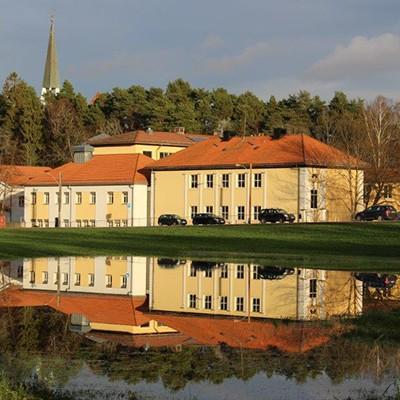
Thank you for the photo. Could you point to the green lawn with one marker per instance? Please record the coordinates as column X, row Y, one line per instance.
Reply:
column 353, row 246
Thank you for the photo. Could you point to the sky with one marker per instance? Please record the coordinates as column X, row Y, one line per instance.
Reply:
column 270, row 47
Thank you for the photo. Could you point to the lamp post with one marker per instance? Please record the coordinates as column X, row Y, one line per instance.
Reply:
column 59, row 183
column 250, row 169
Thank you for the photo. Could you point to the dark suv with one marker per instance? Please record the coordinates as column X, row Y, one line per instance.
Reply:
column 275, row 215
column 207, row 219
column 378, row 281
column 378, row 212
column 171, row 219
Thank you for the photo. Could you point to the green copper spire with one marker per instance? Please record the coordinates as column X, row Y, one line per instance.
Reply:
column 51, row 78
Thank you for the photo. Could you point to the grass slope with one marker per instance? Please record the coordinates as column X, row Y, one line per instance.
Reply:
column 345, row 245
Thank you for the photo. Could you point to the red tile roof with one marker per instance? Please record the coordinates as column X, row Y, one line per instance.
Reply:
column 261, row 151
column 18, row 175
column 102, row 169
column 155, row 138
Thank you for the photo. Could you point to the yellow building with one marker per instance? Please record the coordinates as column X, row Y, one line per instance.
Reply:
column 156, row 145
column 105, row 190
column 236, row 178
column 386, row 192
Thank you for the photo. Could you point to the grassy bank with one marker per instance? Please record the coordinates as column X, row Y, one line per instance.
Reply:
column 361, row 246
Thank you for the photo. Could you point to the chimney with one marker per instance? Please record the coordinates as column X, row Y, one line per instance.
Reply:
column 149, row 130
column 82, row 153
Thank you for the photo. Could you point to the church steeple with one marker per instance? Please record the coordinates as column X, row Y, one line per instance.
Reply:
column 51, row 78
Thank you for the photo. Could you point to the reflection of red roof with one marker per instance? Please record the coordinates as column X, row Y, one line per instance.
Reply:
column 142, row 137
column 102, row 169
column 290, row 150
column 18, row 175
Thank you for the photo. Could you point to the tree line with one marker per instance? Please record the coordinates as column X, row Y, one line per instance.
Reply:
column 33, row 132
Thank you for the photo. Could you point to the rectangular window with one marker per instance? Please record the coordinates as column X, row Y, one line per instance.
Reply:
column 110, row 197
column 108, row 280
column 239, row 303
column 45, row 277
column 21, row 201
column 77, row 279
column 78, row 198
column 32, row 277
column 193, row 211
column 124, row 197
column 164, row 154
column 241, row 180
column 64, row 277
column 208, row 302
column 240, row 213
column 148, row 154
column 57, row 198
column 66, row 198
column 46, row 198
column 313, row 288
column 91, row 279
column 124, row 223
column 40, row 223
column 240, row 271
column 110, row 223
column 117, row 223
column 223, row 303
column 92, row 223
column 85, row 223
column 66, row 223
column 225, row 212
column 256, row 212
column 257, row 180
column 208, row 273
column 20, row 271
column 210, row 209
column 314, row 198
column 387, row 191
column 33, row 198
column 256, row 305
column 46, row 223
column 194, row 181
column 124, row 281
column 210, row 180
column 225, row 180
column 55, row 278
column 78, row 223
column 192, row 301
column 192, row 271
column 92, row 197
column 256, row 272
column 224, row 271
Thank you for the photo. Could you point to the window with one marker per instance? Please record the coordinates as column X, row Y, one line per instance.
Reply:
column 77, row 279
column 256, row 212
column 224, row 271
column 314, row 198
column 66, row 223
column 21, row 201
column 45, row 277
column 313, row 288
column 240, row 213
column 110, row 197
column 46, row 223
column 33, row 222
column 55, row 278
column 239, row 304
column 64, row 277
column 46, row 198
column 92, row 223
column 193, row 211
column 110, row 223
column 66, row 198
column 387, row 191
column 225, row 180
column 33, row 198
column 225, row 212
column 20, row 271
column 108, row 280
column 208, row 302
column 192, row 271
column 124, row 281
column 367, row 192
column 92, row 197
column 78, row 223
column 194, row 181
column 124, row 197
column 256, row 272
column 208, row 273
column 40, row 223
column 32, row 277
column 57, row 198
column 78, row 198
column 256, row 305
column 241, row 180
column 192, row 301
column 124, row 223
column 164, row 154
column 210, row 209
column 85, row 223
column 210, row 180
column 148, row 154
column 91, row 279
column 257, row 180
column 240, row 271
column 117, row 223
column 223, row 303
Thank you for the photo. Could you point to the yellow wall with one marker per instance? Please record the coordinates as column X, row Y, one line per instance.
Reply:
column 117, row 210
column 85, row 210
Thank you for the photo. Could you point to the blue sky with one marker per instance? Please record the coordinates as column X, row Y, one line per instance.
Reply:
column 268, row 47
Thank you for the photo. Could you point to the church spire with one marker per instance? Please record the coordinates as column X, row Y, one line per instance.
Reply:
column 51, row 78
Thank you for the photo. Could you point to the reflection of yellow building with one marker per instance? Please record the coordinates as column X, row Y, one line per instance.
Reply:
column 236, row 178
column 243, row 290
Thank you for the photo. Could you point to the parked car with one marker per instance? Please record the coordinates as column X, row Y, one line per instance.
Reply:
column 275, row 215
column 171, row 219
column 271, row 273
column 170, row 262
column 379, row 281
column 207, row 219
column 378, row 212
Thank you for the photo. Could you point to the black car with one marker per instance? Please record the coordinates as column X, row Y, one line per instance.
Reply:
column 378, row 281
column 207, row 219
column 272, row 273
column 275, row 215
column 171, row 219
column 378, row 212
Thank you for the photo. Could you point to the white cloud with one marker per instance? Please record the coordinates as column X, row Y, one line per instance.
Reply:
column 213, row 41
column 361, row 58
